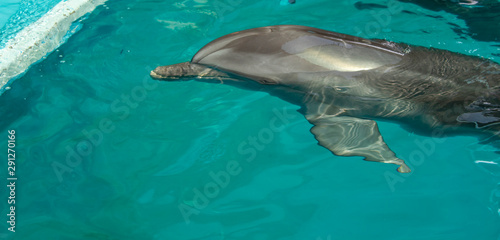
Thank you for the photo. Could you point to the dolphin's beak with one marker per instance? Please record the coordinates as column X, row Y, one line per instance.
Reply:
column 174, row 72
column 164, row 73
column 155, row 75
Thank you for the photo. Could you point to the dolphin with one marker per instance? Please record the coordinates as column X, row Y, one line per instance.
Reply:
column 344, row 83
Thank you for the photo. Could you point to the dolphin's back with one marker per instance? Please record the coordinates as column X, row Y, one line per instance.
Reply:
column 274, row 50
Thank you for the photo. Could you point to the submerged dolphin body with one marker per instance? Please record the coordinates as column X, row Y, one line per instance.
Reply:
column 343, row 82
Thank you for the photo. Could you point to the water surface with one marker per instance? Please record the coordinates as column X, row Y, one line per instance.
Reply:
column 105, row 152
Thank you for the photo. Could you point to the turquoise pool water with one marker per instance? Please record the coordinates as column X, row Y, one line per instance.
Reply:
column 105, row 152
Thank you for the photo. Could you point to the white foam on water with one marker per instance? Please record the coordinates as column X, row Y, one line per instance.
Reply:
column 40, row 38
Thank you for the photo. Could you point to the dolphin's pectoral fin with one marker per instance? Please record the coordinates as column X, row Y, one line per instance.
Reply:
column 349, row 136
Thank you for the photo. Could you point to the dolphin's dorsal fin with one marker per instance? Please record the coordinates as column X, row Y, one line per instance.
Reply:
column 350, row 136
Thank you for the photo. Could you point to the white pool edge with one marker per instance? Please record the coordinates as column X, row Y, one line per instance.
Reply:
column 40, row 38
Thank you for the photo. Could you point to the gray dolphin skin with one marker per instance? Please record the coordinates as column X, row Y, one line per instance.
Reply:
column 343, row 83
